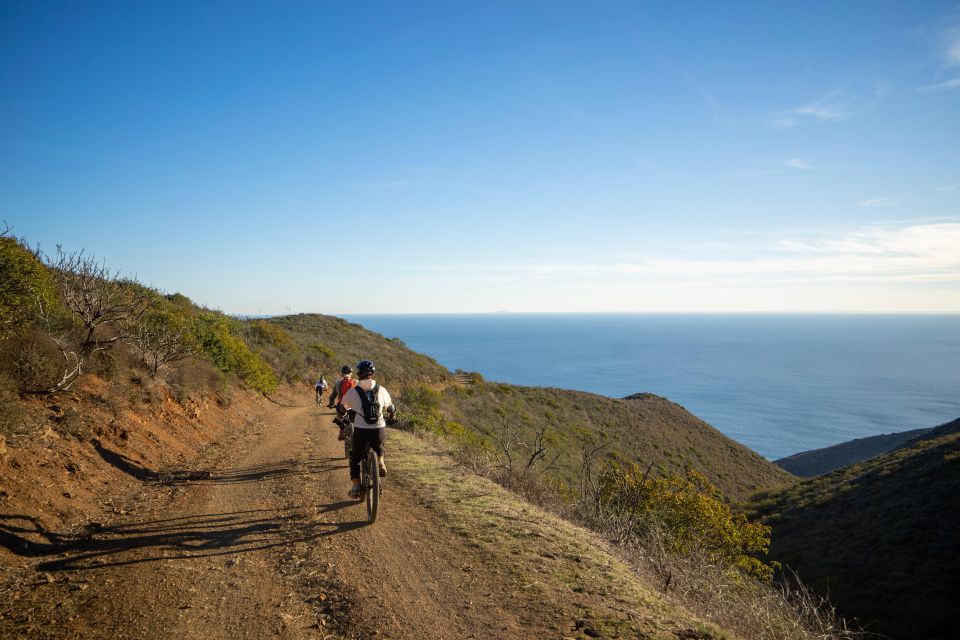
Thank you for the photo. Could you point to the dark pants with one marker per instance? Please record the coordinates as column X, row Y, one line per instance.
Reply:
column 358, row 446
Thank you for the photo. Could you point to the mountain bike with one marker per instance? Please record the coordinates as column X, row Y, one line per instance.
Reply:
column 371, row 485
column 347, row 426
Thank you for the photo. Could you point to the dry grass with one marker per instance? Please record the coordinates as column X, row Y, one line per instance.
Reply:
column 718, row 595
column 547, row 559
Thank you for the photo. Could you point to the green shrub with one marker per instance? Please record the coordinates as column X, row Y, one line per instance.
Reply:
column 693, row 512
column 31, row 361
column 24, row 282
column 217, row 337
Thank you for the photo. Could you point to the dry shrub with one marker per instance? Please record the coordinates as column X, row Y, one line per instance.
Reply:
column 784, row 610
column 195, row 378
column 31, row 361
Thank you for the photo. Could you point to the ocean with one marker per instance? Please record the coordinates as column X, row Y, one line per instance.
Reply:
column 779, row 384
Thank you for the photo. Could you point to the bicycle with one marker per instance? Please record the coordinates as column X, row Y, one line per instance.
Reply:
column 371, row 486
column 347, row 426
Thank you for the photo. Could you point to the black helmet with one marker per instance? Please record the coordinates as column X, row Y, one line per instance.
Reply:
column 366, row 369
column 346, row 370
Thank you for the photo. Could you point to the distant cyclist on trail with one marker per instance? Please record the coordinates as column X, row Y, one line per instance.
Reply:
column 345, row 382
column 340, row 389
column 369, row 403
column 320, row 387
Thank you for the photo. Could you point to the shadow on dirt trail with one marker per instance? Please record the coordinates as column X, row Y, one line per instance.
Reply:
column 192, row 536
column 241, row 474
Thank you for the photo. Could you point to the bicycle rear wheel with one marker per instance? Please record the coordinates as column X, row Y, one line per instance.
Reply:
column 372, row 464
column 347, row 439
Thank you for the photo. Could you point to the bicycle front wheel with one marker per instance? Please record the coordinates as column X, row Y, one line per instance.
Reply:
column 373, row 491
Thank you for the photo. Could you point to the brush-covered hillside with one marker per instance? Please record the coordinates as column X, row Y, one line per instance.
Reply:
column 643, row 428
column 817, row 462
column 881, row 537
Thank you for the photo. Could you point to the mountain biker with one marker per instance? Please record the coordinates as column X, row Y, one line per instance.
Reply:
column 343, row 385
column 347, row 374
column 320, row 387
column 372, row 406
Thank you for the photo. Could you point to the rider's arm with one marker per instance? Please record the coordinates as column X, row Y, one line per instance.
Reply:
column 390, row 412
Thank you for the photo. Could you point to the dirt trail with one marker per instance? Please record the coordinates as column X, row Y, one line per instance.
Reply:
column 268, row 546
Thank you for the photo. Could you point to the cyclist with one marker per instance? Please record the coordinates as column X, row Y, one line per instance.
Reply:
column 372, row 406
column 343, row 385
column 320, row 387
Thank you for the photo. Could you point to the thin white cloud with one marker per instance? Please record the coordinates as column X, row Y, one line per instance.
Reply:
column 801, row 164
column 833, row 106
column 924, row 252
column 877, row 202
column 950, row 60
column 946, row 85
column 911, row 266
column 948, row 188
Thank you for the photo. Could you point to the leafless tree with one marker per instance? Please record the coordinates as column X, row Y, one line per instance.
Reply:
column 521, row 458
column 589, row 486
column 161, row 340
column 5, row 229
column 101, row 309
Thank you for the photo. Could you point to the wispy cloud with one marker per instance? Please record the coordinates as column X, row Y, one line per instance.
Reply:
column 877, row 202
column 948, row 187
column 911, row 252
column 909, row 266
column 949, row 59
column 946, row 85
column 833, row 106
column 801, row 164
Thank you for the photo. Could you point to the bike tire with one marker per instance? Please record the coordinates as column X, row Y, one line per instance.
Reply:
column 373, row 490
column 347, row 439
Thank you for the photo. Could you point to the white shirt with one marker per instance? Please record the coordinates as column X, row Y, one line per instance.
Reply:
column 352, row 401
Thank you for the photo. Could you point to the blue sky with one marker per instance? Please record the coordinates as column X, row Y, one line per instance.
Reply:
column 521, row 156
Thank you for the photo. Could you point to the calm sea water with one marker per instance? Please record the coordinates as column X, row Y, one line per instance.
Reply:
column 777, row 383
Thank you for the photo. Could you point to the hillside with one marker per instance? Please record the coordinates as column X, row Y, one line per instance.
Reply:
column 642, row 428
column 645, row 429
column 817, row 462
column 880, row 536
column 339, row 342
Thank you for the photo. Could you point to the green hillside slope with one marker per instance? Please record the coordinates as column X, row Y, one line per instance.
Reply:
column 336, row 342
column 645, row 428
column 817, row 462
column 642, row 428
column 881, row 537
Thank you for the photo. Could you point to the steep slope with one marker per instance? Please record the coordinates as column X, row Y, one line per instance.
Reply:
column 880, row 536
column 817, row 462
column 645, row 428
column 341, row 342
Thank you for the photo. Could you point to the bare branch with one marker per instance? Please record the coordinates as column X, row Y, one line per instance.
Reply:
column 102, row 309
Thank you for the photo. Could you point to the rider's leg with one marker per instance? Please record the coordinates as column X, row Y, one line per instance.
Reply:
column 357, row 446
column 376, row 443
